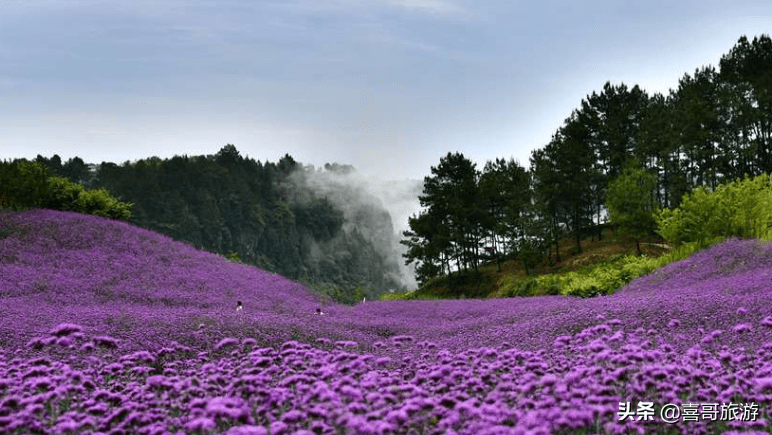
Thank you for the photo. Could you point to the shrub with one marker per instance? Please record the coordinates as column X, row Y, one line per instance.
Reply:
column 583, row 286
column 22, row 184
column 642, row 266
column 550, row 284
column 62, row 194
column 100, row 203
column 393, row 296
column 26, row 184
column 524, row 287
column 739, row 209
column 603, row 278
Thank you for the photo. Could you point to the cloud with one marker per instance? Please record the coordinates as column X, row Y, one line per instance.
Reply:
column 96, row 132
column 362, row 199
column 437, row 6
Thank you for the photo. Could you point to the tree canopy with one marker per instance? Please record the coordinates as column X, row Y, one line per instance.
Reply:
column 264, row 214
column 631, row 204
column 713, row 129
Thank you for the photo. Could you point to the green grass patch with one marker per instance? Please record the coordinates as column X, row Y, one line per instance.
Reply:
column 458, row 285
column 608, row 276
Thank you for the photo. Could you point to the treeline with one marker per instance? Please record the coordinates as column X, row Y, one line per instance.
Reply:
column 715, row 127
column 258, row 213
column 737, row 209
column 25, row 185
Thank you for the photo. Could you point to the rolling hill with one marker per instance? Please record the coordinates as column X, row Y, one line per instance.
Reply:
column 109, row 328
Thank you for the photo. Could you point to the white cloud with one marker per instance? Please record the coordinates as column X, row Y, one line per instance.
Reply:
column 442, row 7
column 438, row 6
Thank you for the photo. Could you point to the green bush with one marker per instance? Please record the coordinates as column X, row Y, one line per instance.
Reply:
column 22, row 184
column 523, row 287
column 583, row 286
column 550, row 284
column 611, row 277
column 601, row 279
column 740, row 209
column 634, row 269
column 233, row 256
column 100, row 203
column 25, row 185
column 331, row 290
column 62, row 194
column 393, row 296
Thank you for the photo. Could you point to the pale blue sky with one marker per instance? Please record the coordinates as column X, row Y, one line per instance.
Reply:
column 388, row 86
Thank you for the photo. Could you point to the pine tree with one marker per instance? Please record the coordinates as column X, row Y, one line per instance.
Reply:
column 631, row 204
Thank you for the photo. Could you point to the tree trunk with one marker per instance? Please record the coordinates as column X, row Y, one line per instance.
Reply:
column 600, row 225
column 578, row 239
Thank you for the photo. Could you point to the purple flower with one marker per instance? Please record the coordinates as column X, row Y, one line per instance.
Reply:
column 201, row 424
column 248, row 430
column 106, row 341
column 279, row 428
column 63, row 329
column 763, row 385
column 226, row 342
column 742, row 327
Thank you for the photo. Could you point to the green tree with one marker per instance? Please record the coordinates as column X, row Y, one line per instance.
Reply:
column 506, row 193
column 660, row 150
column 546, row 182
column 451, row 226
column 23, row 184
column 613, row 119
column 610, row 123
column 740, row 209
column 631, row 204
column 533, row 242
column 746, row 73
column 700, row 124
column 99, row 202
column 564, row 173
column 26, row 184
column 428, row 244
column 77, row 170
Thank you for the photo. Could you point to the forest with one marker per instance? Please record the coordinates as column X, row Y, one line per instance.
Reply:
column 264, row 214
column 618, row 159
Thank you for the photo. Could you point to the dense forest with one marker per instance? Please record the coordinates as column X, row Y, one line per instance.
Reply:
column 618, row 158
column 263, row 214
column 621, row 156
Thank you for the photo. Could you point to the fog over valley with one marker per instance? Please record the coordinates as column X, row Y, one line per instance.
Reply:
column 379, row 209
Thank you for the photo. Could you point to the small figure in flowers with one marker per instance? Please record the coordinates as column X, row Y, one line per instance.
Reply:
column 239, row 307
column 319, row 312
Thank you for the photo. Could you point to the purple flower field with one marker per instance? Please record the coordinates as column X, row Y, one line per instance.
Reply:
column 106, row 328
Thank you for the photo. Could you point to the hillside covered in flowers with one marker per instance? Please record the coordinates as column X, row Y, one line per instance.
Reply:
column 111, row 329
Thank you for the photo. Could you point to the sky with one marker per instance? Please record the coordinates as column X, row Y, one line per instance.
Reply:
column 388, row 86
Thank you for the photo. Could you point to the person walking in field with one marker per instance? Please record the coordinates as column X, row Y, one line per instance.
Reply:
column 239, row 306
